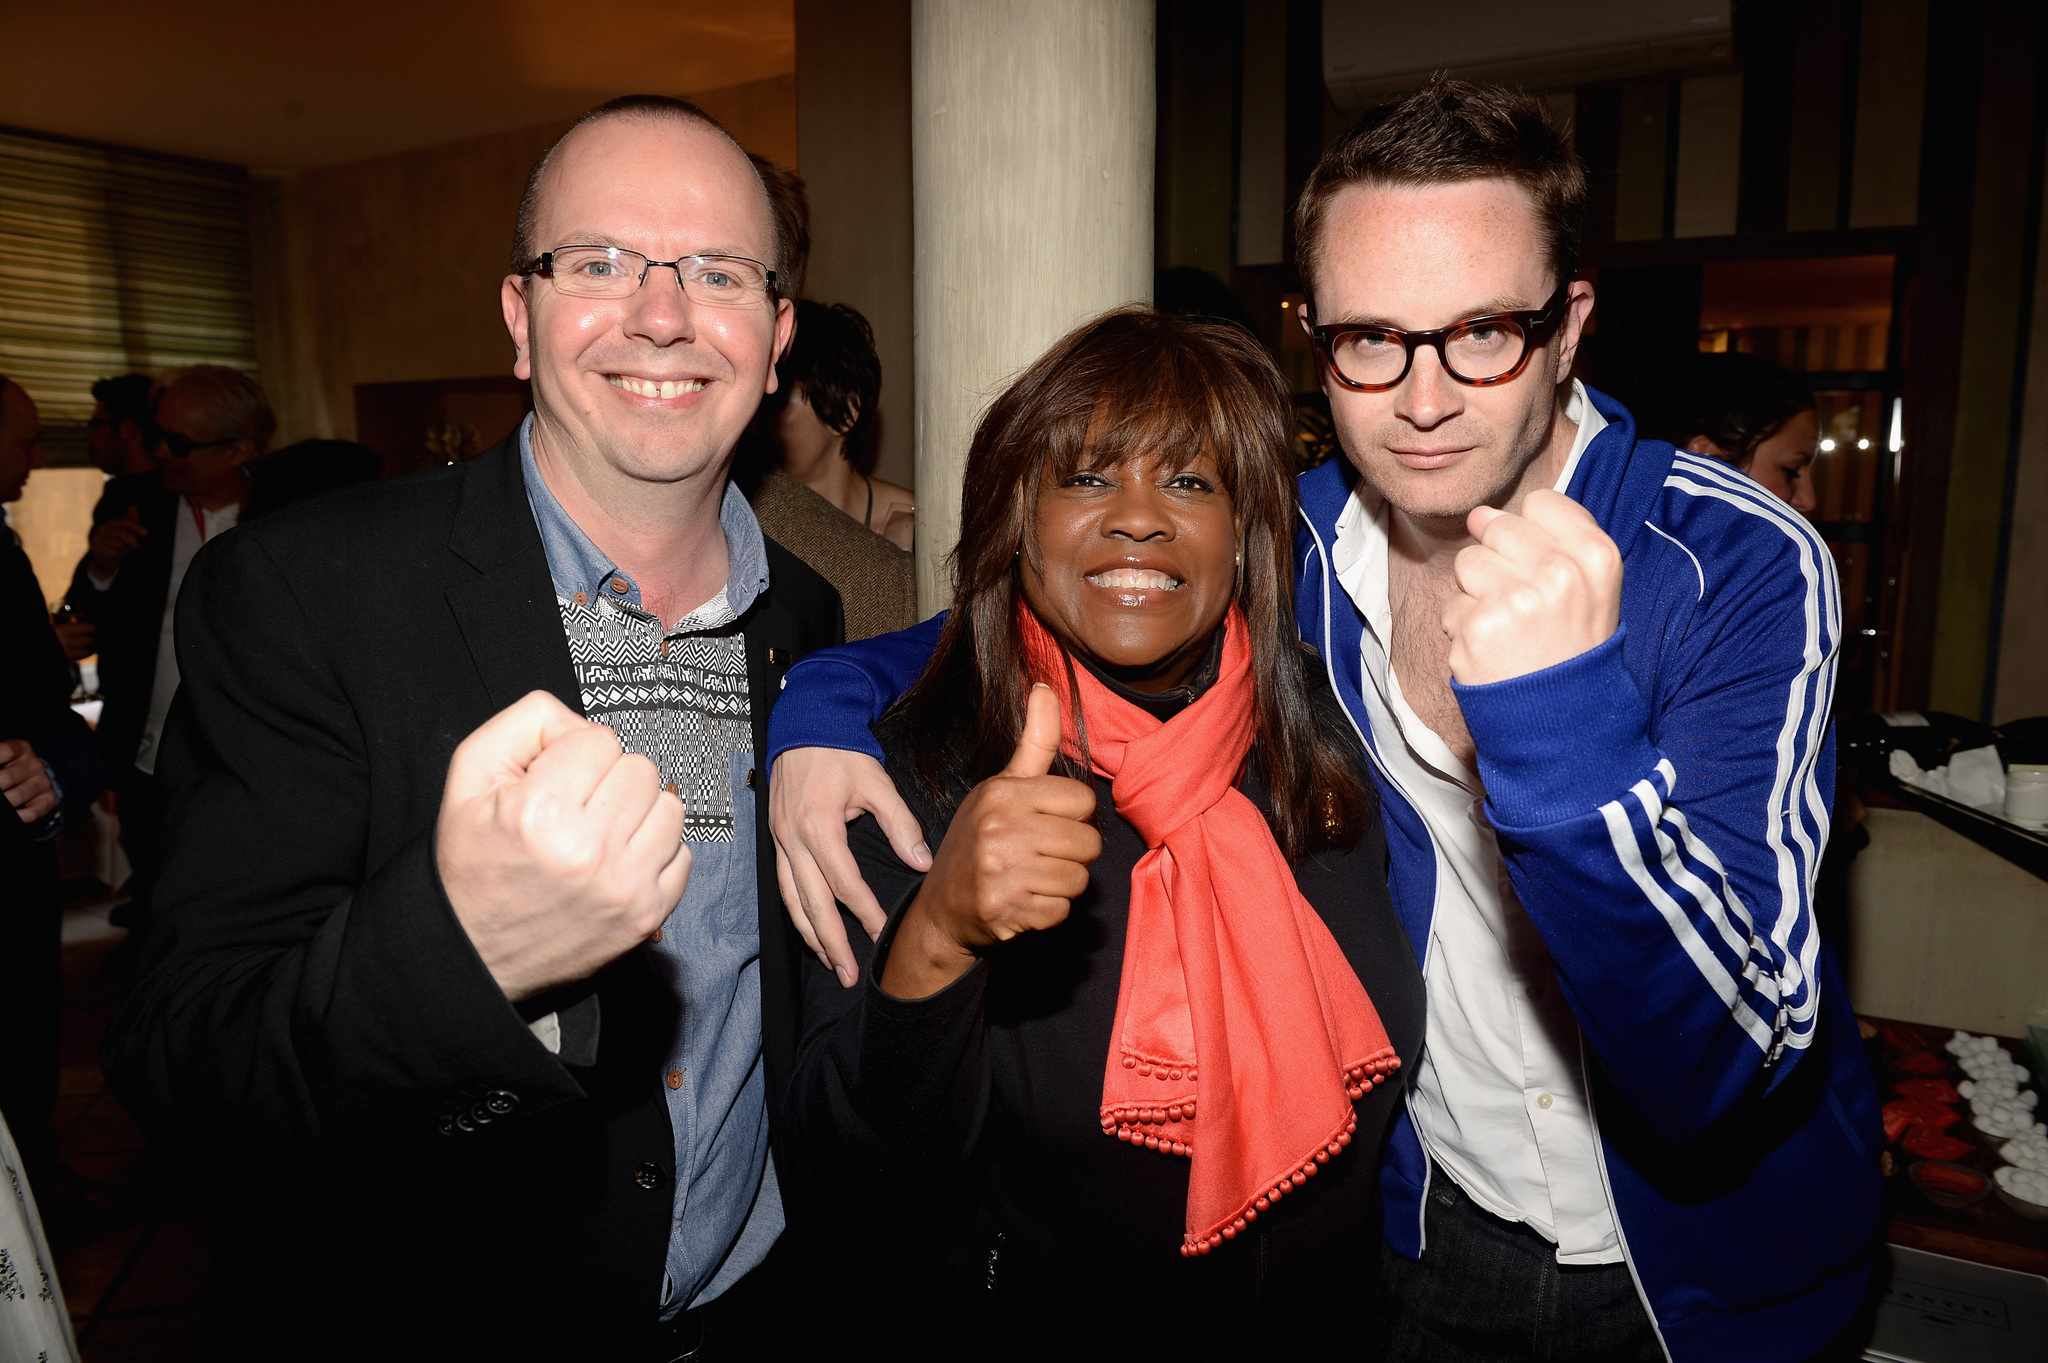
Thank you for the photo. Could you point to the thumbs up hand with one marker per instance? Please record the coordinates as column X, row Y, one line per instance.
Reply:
column 1016, row 855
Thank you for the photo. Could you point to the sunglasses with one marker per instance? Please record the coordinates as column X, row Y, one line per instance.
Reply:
column 184, row 446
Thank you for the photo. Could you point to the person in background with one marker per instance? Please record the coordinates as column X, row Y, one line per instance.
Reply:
column 310, row 468
column 118, row 435
column 833, row 380
column 207, row 424
column 50, row 773
column 1754, row 415
column 832, row 362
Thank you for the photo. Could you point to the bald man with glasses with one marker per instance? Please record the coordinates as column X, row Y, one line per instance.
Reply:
column 491, row 1028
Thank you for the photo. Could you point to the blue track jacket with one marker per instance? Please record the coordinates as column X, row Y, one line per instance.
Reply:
column 1662, row 802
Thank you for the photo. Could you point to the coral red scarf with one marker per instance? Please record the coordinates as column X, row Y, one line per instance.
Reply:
column 1235, row 997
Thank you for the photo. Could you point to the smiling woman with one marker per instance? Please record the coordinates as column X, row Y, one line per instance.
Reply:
column 1157, row 923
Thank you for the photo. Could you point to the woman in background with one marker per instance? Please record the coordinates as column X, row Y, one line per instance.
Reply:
column 1757, row 416
column 827, row 425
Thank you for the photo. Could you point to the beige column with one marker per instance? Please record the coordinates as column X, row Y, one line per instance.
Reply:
column 1031, row 153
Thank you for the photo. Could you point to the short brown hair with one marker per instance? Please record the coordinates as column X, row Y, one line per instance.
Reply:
column 792, row 204
column 230, row 402
column 832, row 361
column 1447, row 132
column 1129, row 383
column 653, row 108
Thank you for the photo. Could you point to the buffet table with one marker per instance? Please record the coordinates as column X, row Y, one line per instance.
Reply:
column 1986, row 1232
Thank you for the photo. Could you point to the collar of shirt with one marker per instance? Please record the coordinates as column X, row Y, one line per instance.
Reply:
column 1367, row 507
column 577, row 565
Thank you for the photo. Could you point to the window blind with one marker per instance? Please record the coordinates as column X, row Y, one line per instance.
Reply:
column 112, row 261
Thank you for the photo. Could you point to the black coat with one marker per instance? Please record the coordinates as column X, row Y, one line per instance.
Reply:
column 130, row 613
column 959, row 1135
column 35, row 690
column 413, row 1173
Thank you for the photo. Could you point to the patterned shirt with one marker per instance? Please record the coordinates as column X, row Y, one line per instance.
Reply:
column 679, row 697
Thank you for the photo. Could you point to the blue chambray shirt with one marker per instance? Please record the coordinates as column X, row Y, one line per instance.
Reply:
column 679, row 697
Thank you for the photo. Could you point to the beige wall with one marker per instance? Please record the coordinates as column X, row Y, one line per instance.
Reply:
column 853, row 130
column 53, row 518
column 388, row 270
column 1942, row 931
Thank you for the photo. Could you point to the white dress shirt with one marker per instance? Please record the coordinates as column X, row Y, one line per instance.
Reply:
column 183, row 546
column 1499, row 1096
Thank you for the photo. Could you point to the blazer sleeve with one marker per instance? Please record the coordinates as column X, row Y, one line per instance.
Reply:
column 887, row 1093
column 1666, row 847
column 292, row 991
column 831, row 697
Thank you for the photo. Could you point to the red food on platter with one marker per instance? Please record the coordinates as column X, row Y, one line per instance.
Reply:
column 1905, row 1038
column 1896, row 1120
column 1918, row 1062
column 1928, row 1090
column 1951, row 1180
column 1933, row 1145
column 1917, row 1112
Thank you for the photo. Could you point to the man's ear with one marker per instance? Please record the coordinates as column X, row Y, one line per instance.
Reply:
column 512, row 297
column 1578, row 309
column 785, row 332
column 1699, row 444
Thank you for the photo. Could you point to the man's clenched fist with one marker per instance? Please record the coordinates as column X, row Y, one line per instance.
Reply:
column 559, row 852
column 1538, row 589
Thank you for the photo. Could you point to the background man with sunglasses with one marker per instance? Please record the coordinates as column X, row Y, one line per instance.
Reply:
column 1594, row 674
column 469, row 967
column 206, row 424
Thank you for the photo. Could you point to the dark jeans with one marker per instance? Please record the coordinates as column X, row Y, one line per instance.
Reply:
column 1492, row 1291
column 142, row 826
column 31, row 926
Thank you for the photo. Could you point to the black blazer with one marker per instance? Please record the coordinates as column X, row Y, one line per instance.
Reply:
column 959, row 1136
column 411, row 1172
column 35, row 702
column 130, row 613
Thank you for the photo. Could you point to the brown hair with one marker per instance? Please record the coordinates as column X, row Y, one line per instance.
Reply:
column 652, row 108
column 1447, row 132
column 1127, row 384
column 792, row 204
column 832, row 361
column 230, row 402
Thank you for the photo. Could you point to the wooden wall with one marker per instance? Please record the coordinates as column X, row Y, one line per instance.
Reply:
column 388, row 270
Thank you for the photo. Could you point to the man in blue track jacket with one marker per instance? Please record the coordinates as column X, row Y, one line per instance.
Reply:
column 1594, row 675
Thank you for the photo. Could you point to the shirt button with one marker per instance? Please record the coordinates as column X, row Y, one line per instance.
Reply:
column 618, row 584
column 583, row 598
column 1544, row 1100
column 675, row 1079
column 649, row 1176
column 664, row 648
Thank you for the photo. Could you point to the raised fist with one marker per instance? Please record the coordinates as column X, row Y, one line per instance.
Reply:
column 1539, row 588
column 558, row 852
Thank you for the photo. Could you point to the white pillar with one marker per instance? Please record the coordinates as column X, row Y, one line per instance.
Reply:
column 1031, row 152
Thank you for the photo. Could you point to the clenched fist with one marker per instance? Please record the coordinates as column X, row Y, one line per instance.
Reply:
column 1538, row 589
column 559, row 852
column 1014, row 858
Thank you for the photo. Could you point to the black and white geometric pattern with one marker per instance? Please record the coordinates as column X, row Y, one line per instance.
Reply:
column 678, row 698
